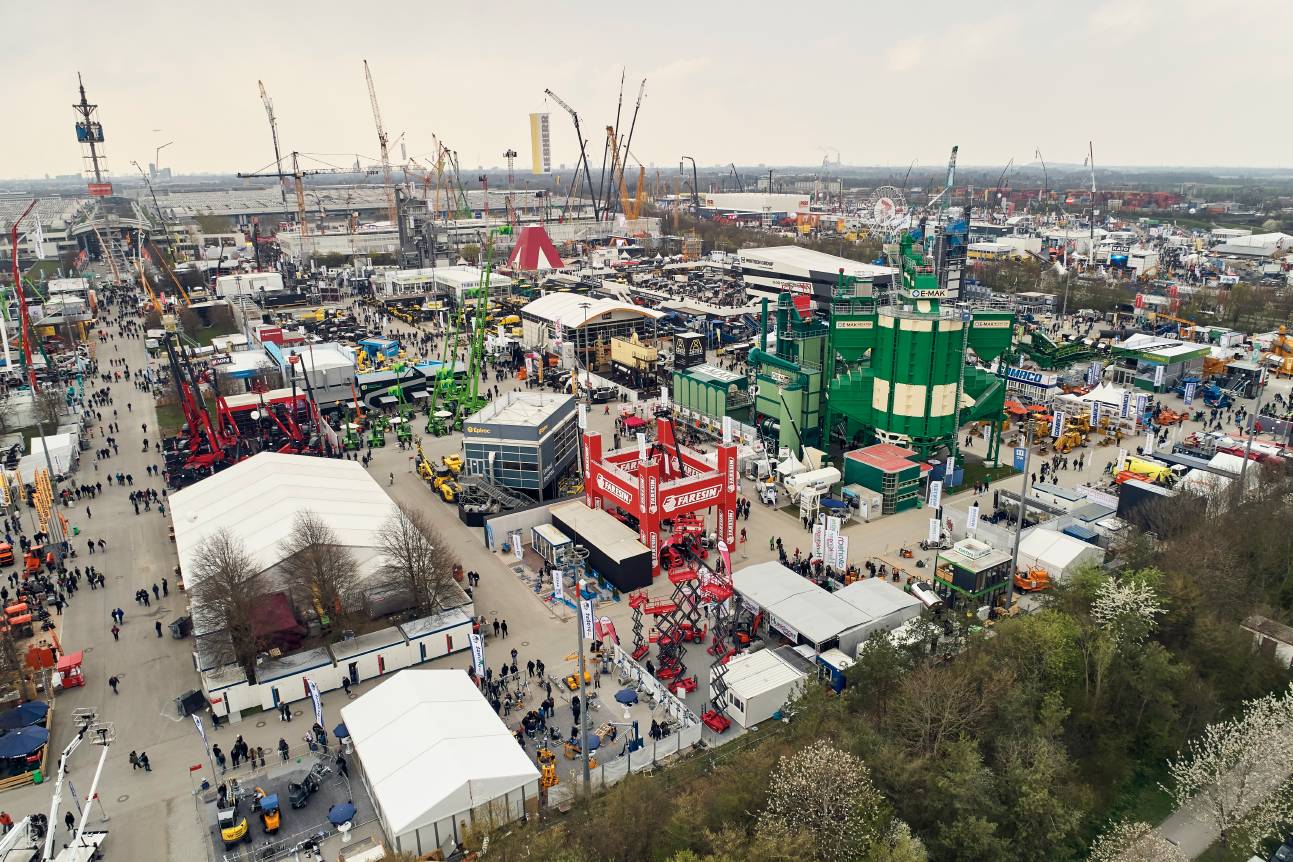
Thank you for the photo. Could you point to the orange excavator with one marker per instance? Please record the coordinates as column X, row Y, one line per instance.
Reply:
column 1033, row 580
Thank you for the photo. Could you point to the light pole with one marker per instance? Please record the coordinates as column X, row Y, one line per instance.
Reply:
column 1023, row 507
column 574, row 557
column 1248, row 443
column 587, row 379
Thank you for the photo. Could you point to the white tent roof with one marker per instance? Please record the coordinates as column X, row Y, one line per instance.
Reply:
column 257, row 499
column 797, row 601
column 1055, row 551
column 432, row 747
column 1105, row 393
column 564, row 308
column 62, row 452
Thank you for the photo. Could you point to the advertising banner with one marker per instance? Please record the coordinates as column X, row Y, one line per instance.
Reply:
column 477, row 654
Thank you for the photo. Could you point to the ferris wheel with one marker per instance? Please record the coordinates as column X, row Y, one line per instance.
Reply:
column 882, row 205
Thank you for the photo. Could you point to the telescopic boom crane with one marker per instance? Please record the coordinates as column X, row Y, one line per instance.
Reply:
column 583, row 150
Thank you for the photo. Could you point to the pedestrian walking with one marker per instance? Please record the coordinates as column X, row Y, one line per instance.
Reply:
column 134, row 761
column 143, row 761
column 116, row 633
column 112, row 681
column 496, row 627
column 157, row 624
column 504, row 626
column 345, row 683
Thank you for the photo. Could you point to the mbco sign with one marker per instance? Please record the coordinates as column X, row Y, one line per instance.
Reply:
column 614, row 490
column 691, row 498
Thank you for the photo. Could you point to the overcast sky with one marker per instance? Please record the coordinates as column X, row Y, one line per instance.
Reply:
column 1178, row 82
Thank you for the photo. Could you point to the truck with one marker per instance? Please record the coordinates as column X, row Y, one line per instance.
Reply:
column 821, row 480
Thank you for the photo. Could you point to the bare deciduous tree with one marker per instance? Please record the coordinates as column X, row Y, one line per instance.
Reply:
column 321, row 573
column 50, row 404
column 936, row 706
column 224, row 598
column 418, row 561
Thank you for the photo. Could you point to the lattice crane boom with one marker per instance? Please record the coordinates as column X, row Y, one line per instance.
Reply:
column 384, row 143
column 273, row 131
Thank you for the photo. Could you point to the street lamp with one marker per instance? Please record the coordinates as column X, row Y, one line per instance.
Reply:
column 574, row 557
column 587, row 379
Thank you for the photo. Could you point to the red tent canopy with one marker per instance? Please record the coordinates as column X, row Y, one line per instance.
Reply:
column 70, row 661
column 534, row 251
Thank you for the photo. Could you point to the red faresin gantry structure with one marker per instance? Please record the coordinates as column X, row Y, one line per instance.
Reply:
column 660, row 481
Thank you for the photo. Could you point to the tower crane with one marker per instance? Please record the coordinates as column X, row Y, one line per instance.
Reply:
column 510, row 155
column 273, row 131
column 383, row 142
column 297, row 176
column 583, row 149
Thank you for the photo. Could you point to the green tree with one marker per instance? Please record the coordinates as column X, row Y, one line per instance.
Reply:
column 210, row 223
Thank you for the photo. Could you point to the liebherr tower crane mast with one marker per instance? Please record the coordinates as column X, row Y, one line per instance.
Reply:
column 383, row 142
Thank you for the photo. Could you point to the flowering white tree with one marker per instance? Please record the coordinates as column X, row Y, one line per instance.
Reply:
column 826, row 795
column 1234, row 776
column 1134, row 842
column 1124, row 611
column 1127, row 609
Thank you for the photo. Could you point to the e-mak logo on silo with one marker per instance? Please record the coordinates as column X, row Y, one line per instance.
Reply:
column 691, row 498
column 614, row 490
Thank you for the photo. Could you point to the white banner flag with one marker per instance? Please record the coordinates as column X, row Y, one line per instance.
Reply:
column 316, row 700
column 819, row 540
column 935, row 494
column 972, row 519
column 1159, row 373
column 477, row 654
column 1149, row 442
column 841, row 553
column 833, row 524
column 1057, row 425
column 1095, row 415
column 558, row 585
column 828, row 546
column 1122, row 461
column 935, row 529
column 951, row 467
column 727, row 429
column 197, row 722
column 586, row 614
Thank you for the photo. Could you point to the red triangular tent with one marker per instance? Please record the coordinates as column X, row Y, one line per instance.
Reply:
column 534, row 251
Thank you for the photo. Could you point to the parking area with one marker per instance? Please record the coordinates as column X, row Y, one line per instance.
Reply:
column 297, row 824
